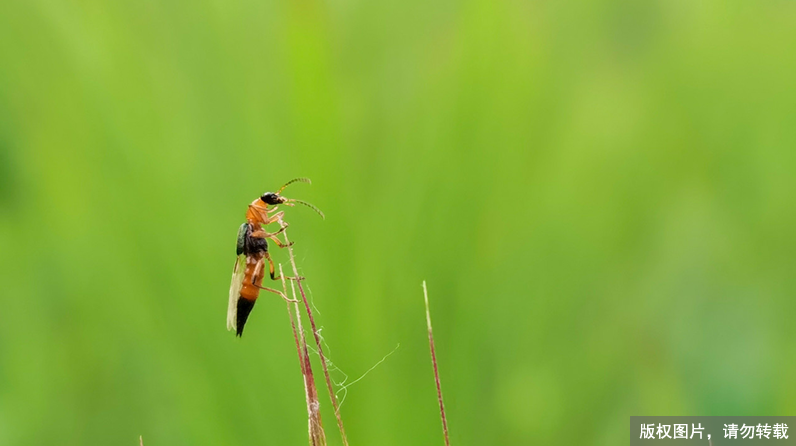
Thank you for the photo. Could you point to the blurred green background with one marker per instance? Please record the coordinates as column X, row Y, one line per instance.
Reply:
column 601, row 196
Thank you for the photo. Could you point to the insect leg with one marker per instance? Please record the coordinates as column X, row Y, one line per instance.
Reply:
column 258, row 270
column 257, row 276
column 277, row 292
column 276, row 217
column 279, row 242
column 262, row 234
column 272, row 235
column 271, row 269
column 271, row 266
column 284, row 226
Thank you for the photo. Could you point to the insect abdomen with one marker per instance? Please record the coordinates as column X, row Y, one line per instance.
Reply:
column 254, row 248
column 248, row 293
column 250, row 289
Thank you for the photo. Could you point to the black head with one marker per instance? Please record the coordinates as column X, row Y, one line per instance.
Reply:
column 272, row 198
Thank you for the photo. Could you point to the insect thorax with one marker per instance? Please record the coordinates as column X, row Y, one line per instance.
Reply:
column 248, row 244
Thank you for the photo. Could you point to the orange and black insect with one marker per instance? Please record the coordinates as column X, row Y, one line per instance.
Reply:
column 252, row 252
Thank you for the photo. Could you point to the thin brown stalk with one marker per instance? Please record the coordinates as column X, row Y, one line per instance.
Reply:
column 436, row 369
column 317, row 336
column 317, row 436
column 141, row 440
column 292, row 322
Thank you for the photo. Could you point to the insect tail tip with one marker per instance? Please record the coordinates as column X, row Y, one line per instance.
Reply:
column 244, row 308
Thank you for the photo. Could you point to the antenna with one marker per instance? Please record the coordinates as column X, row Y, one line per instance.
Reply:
column 294, row 180
column 293, row 200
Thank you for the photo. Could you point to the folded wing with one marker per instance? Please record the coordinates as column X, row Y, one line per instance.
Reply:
column 238, row 272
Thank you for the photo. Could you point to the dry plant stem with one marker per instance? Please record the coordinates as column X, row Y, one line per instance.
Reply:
column 317, row 436
column 292, row 322
column 436, row 369
column 317, row 336
column 141, row 440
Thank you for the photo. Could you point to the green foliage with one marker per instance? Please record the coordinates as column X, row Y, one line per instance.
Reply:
column 600, row 196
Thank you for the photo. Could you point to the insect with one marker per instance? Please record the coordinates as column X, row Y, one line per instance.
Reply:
column 252, row 252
